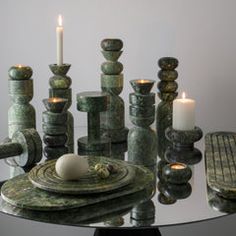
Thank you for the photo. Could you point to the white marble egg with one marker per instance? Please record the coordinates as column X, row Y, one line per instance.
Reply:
column 71, row 166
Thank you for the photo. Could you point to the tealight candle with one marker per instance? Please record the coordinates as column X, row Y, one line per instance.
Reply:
column 176, row 173
column 55, row 104
column 183, row 113
column 59, row 31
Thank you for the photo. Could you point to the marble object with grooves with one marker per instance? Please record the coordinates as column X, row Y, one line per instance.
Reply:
column 60, row 87
column 167, row 88
column 113, row 120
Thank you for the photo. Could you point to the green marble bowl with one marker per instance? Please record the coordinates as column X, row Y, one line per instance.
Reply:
column 168, row 63
column 142, row 86
column 176, row 173
column 112, row 44
column 20, row 72
column 59, row 70
column 55, row 105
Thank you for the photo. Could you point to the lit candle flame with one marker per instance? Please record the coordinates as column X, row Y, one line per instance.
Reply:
column 60, row 20
column 177, row 166
column 183, row 95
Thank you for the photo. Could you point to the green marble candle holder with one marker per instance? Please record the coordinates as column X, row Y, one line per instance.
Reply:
column 183, row 139
column 143, row 214
column 60, row 87
column 21, row 115
column 93, row 103
column 113, row 120
column 167, row 93
column 25, row 147
column 188, row 157
column 175, row 191
column 176, row 173
column 55, row 128
column 142, row 148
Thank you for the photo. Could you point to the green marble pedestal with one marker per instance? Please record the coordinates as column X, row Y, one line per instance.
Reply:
column 93, row 103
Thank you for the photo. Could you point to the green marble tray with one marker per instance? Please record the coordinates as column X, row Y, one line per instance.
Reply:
column 220, row 157
column 94, row 213
column 20, row 192
column 44, row 177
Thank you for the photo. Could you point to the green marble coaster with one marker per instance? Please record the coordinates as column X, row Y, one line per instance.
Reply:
column 220, row 150
column 20, row 192
column 44, row 176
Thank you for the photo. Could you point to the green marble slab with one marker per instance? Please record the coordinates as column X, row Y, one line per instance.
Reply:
column 20, row 192
column 220, row 157
column 94, row 213
column 44, row 177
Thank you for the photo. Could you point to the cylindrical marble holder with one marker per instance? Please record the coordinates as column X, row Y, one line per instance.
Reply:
column 25, row 146
column 167, row 87
column 93, row 103
column 60, row 87
column 113, row 120
column 21, row 115
column 142, row 147
column 55, row 128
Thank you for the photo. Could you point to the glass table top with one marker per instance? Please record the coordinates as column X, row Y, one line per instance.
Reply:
column 167, row 204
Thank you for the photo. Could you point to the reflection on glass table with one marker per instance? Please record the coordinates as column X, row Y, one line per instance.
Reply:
column 160, row 204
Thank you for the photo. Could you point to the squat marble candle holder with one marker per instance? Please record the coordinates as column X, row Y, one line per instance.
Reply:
column 60, row 84
column 176, row 173
column 25, row 147
column 167, row 93
column 21, row 115
column 142, row 147
column 113, row 120
column 55, row 127
column 93, row 103
column 183, row 143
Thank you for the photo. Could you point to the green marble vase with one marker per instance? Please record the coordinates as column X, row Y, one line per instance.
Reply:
column 167, row 93
column 113, row 120
column 21, row 115
column 60, row 87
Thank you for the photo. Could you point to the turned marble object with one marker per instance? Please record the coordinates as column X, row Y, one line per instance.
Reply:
column 21, row 115
column 167, row 87
column 113, row 120
column 25, row 146
column 60, row 84
column 55, row 127
column 182, row 145
column 142, row 147
column 93, row 103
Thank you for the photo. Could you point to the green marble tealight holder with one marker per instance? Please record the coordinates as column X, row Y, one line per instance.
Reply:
column 113, row 120
column 55, row 128
column 167, row 92
column 142, row 147
column 21, row 115
column 60, row 84
column 25, row 146
column 93, row 103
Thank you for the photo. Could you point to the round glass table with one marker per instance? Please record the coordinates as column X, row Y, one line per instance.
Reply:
column 165, row 206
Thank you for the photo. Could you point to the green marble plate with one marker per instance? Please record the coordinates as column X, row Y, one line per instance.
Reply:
column 220, row 157
column 44, row 177
column 20, row 192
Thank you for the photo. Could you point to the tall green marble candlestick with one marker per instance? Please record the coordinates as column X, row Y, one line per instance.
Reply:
column 60, row 87
column 142, row 147
column 21, row 115
column 167, row 93
column 55, row 127
column 112, row 120
column 93, row 103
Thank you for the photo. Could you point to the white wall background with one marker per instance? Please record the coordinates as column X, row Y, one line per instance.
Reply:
column 200, row 33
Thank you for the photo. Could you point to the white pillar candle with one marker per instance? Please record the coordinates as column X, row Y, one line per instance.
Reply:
column 183, row 113
column 59, row 31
